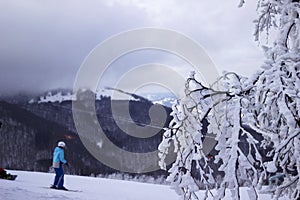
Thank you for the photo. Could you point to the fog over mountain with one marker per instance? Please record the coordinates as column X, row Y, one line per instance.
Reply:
column 43, row 43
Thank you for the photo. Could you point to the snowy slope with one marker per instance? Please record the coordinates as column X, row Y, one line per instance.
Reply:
column 34, row 186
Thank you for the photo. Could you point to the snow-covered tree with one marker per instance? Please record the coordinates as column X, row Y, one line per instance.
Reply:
column 222, row 106
column 185, row 132
column 268, row 102
column 275, row 108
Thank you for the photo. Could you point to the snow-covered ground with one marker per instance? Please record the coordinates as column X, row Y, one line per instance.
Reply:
column 35, row 186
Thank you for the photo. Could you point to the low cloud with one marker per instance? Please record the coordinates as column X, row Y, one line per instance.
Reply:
column 43, row 43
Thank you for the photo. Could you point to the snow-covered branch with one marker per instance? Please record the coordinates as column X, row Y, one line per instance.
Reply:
column 254, row 121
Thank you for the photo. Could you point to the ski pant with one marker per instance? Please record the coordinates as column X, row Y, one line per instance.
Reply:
column 59, row 177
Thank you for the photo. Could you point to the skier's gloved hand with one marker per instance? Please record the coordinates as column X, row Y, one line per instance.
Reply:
column 67, row 164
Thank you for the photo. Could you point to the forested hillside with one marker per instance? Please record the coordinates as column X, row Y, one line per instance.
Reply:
column 30, row 131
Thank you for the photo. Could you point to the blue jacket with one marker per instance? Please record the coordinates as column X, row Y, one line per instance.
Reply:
column 58, row 157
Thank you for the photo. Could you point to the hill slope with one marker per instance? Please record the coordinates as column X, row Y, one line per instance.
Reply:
column 34, row 185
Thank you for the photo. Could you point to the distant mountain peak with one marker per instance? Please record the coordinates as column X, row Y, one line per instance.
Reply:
column 54, row 97
column 59, row 96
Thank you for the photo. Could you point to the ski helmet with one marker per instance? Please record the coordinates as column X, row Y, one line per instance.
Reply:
column 61, row 144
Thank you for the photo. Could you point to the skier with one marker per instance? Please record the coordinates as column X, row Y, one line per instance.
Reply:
column 5, row 175
column 58, row 161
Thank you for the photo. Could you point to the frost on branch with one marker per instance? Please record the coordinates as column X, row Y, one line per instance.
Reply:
column 221, row 109
column 186, row 133
column 277, row 96
column 237, row 147
column 268, row 103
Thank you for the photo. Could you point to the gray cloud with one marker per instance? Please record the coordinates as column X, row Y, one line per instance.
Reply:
column 43, row 43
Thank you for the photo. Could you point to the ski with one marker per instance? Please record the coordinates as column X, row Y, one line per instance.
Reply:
column 68, row 190
column 73, row 190
column 10, row 177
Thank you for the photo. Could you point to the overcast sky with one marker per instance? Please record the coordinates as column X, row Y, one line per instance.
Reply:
column 43, row 43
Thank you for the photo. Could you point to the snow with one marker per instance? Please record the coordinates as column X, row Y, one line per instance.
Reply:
column 35, row 185
column 168, row 101
column 59, row 97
